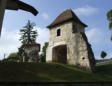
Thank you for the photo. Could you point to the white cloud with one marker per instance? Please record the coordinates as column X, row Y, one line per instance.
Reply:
column 43, row 36
column 109, row 55
column 45, row 16
column 100, row 42
column 98, row 57
column 94, row 35
column 9, row 41
column 86, row 10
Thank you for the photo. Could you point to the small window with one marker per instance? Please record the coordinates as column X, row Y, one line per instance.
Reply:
column 58, row 32
column 74, row 28
column 83, row 58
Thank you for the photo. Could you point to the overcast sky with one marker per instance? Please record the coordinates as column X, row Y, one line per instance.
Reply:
column 91, row 12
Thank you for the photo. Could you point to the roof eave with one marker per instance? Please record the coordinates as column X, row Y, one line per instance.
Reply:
column 51, row 26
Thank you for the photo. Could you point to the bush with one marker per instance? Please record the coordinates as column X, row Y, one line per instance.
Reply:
column 12, row 57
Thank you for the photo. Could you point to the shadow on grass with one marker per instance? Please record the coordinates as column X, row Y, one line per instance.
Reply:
column 53, row 72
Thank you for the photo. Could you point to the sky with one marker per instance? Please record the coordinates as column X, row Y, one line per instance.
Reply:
column 91, row 12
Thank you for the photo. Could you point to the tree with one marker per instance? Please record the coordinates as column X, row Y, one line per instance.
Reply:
column 12, row 57
column 28, row 35
column 109, row 17
column 103, row 54
column 20, row 52
column 43, row 55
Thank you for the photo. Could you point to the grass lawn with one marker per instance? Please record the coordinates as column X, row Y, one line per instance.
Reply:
column 51, row 72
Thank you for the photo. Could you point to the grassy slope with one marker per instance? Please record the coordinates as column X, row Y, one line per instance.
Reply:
column 36, row 72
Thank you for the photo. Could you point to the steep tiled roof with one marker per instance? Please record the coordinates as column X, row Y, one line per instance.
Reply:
column 66, row 16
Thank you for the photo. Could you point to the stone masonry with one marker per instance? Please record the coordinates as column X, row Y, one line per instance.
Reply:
column 68, row 42
column 31, row 52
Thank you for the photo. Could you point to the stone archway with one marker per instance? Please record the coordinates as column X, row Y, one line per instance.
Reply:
column 60, row 54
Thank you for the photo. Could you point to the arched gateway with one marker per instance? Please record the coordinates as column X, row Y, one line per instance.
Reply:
column 68, row 42
column 60, row 54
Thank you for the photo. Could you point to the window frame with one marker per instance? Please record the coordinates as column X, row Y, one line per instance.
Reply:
column 58, row 32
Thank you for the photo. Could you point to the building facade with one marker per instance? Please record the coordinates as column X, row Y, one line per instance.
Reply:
column 31, row 52
column 68, row 43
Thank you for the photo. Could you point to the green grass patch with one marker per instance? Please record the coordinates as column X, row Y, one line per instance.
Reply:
column 51, row 72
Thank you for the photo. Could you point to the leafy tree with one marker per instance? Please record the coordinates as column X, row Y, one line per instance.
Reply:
column 20, row 52
column 109, row 17
column 103, row 54
column 28, row 35
column 43, row 55
column 12, row 57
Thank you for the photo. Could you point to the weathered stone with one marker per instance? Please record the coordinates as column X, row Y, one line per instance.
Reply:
column 31, row 52
column 71, row 46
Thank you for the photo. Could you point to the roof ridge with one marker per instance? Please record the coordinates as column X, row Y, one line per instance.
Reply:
column 65, row 16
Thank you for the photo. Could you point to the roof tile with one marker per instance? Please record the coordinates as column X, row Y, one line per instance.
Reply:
column 65, row 16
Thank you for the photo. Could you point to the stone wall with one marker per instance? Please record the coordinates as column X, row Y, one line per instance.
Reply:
column 32, row 53
column 66, row 31
column 79, row 51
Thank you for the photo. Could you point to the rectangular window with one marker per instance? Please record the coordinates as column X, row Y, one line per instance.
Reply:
column 74, row 28
column 58, row 32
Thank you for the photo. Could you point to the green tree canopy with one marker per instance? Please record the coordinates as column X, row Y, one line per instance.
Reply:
column 12, row 57
column 43, row 55
column 21, row 50
column 109, row 17
column 103, row 54
column 28, row 35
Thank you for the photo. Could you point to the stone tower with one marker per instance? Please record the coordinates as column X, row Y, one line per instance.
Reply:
column 31, row 52
column 68, row 43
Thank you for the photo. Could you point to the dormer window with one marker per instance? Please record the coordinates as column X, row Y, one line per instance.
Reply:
column 58, row 32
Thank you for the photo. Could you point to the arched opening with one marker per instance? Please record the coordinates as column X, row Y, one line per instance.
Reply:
column 60, row 54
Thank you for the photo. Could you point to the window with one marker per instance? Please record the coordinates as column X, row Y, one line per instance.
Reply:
column 83, row 58
column 58, row 32
column 74, row 28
